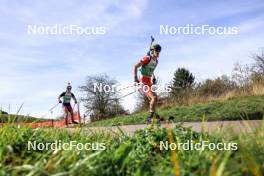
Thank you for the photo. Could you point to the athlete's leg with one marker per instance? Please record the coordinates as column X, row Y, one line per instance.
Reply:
column 152, row 103
column 71, row 112
column 152, row 107
column 66, row 118
column 66, row 114
column 72, row 115
column 152, row 96
column 149, row 92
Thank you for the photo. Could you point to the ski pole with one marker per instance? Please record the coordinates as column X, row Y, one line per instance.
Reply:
column 73, row 106
column 54, row 106
column 152, row 40
column 123, row 96
column 126, row 87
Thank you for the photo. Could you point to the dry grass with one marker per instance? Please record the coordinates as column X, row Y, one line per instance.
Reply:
column 258, row 89
column 193, row 98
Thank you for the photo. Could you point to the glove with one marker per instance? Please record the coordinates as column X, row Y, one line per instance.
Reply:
column 60, row 101
column 154, row 80
column 136, row 79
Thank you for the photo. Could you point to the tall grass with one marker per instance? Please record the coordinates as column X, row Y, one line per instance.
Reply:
column 136, row 155
column 193, row 97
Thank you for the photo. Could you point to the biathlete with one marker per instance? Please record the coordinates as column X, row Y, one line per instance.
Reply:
column 147, row 66
column 66, row 103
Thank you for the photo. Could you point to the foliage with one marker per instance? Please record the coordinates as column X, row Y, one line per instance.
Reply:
column 182, row 84
column 215, row 87
column 139, row 154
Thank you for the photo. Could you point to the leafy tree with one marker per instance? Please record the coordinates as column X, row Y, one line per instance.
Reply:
column 182, row 84
column 182, row 79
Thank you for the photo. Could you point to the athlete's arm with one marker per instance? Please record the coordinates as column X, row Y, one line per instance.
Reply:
column 73, row 96
column 61, row 95
column 145, row 60
column 136, row 66
column 153, row 76
column 154, row 80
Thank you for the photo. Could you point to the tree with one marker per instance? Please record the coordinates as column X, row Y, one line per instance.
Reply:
column 241, row 75
column 216, row 87
column 258, row 67
column 100, row 97
column 182, row 79
column 182, row 83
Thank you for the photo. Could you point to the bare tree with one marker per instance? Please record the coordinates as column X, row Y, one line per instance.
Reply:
column 100, row 97
column 258, row 67
column 241, row 75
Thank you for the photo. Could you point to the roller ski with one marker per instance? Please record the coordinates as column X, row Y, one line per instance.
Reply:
column 154, row 118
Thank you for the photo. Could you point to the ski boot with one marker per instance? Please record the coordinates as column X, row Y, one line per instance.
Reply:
column 150, row 117
column 158, row 120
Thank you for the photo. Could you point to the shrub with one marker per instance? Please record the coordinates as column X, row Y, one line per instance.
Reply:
column 216, row 87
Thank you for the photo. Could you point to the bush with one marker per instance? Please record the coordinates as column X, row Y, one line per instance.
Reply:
column 3, row 112
column 215, row 87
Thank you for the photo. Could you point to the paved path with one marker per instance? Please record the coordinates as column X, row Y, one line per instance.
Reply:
column 226, row 126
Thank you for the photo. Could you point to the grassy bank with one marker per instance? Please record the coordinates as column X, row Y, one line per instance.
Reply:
column 4, row 118
column 136, row 155
column 250, row 107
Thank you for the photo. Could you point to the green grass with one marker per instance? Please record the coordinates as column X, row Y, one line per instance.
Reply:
column 251, row 107
column 4, row 118
column 136, row 155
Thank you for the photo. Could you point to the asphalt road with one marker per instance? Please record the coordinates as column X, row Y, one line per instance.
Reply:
column 228, row 127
